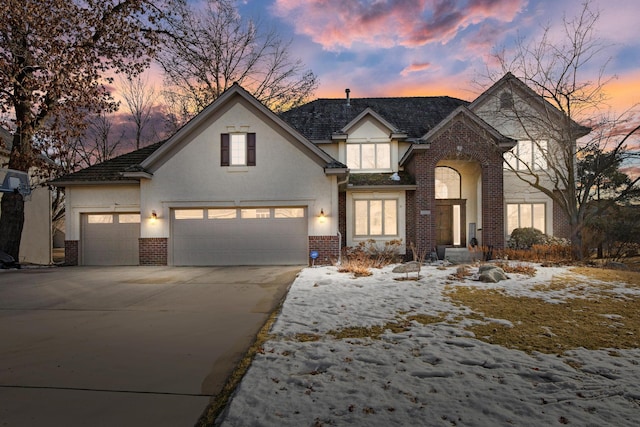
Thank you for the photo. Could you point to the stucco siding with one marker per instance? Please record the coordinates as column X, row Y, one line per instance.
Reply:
column 284, row 175
column 94, row 199
column 35, row 246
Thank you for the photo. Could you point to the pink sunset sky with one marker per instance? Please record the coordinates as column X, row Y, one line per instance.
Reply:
column 439, row 47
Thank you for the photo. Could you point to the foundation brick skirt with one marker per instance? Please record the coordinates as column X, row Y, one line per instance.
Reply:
column 328, row 248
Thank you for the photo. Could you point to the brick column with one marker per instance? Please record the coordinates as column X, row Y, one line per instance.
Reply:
column 71, row 252
column 153, row 250
column 327, row 247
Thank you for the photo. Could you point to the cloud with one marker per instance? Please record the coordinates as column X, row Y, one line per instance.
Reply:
column 420, row 66
column 339, row 24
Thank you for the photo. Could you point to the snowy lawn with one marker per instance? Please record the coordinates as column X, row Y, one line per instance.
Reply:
column 376, row 351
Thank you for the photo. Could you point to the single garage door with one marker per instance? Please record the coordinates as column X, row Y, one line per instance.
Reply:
column 260, row 236
column 110, row 239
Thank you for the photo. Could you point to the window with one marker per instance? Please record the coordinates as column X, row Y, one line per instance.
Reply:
column 376, row 217
column 506, row 101
column 288, row 213
column 526, row 215
column 100, row 219
column 238, row 149
column 255, row 213
column 188, row 214
column 447, row 183
column 369, row 156
column 129, row 218
column 221, row 214
column 527, row 155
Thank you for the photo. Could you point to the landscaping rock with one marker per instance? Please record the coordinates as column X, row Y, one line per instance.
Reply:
column 491, row 274
column 408, row 267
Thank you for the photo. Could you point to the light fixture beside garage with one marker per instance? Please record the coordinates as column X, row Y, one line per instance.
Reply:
column 322, row 215
column 154, row 216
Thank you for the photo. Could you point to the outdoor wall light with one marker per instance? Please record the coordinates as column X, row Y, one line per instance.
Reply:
column 154, row 216
column 322, row 215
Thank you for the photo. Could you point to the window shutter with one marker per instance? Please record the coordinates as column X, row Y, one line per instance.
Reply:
column 224, row 149
column 251, row 149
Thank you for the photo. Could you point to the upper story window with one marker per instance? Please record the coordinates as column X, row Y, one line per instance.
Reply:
column 238, row 149
column 506, row 101
column 527, row 155
column 369, row 156
column 448, row 183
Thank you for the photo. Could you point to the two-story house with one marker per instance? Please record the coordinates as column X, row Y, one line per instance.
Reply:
column 239, row 184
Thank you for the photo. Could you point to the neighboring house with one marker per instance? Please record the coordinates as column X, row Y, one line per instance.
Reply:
column 239, row 184
column 35, row 245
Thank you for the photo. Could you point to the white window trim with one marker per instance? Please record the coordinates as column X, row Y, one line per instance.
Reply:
column 537, row 160
column 520, row 225
column 353, row 240
column 359, row 144
column 235, row 144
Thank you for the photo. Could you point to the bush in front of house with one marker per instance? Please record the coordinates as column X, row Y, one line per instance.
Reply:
column 530, row 244
column 369, row 254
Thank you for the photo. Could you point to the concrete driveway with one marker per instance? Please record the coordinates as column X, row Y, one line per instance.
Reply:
column 126, row 346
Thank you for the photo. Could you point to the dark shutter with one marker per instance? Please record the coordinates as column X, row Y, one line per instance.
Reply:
column 251, row 149
column 224, row 149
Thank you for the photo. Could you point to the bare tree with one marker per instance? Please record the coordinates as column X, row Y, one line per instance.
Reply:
column 98, row 144
column 206, row 50
column 563, row 121
column 140, row 98
column 54, row 55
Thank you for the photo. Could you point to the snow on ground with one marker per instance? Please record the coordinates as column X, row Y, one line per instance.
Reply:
column 431, row 375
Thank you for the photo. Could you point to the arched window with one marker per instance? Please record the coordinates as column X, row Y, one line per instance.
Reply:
column 506, row 101
column 447, row 183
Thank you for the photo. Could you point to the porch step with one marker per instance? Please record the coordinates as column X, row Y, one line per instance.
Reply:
column 457, row 255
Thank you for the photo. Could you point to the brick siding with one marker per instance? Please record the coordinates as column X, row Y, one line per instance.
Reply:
column 461, row 140
column 342, row 216
column 153, row 250
column 71, row 252
column 561, row 226
column 327, row 247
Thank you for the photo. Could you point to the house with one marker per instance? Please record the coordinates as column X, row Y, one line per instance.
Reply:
column 241, row 185
column 35, row 244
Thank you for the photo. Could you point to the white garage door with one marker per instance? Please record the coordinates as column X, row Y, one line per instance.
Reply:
column 110, row 239
column 262, row 236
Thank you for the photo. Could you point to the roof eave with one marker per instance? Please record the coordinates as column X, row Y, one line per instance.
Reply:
column 336, row 171
column 383, row 187
column 85, row 183
column 137, row 175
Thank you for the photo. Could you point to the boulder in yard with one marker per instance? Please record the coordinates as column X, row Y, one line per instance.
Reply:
column 407, row 267
column 491, row 274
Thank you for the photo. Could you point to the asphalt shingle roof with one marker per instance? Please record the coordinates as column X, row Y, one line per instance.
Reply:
column 111, row 170
column 319, row 119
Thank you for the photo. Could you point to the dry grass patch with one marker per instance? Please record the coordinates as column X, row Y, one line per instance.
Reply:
column 374, row 332
column 608, row 275
column 595, row 323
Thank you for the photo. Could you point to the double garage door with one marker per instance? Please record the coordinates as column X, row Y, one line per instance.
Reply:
column 262, row 236
column 234, row 236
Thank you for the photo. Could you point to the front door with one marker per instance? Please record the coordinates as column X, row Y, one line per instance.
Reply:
column 450, row 222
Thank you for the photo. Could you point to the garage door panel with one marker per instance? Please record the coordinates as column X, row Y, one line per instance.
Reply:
column 239, row 241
